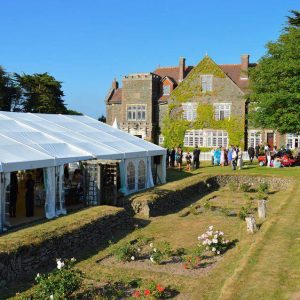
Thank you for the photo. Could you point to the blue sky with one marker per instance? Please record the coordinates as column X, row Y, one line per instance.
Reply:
column 86, row 43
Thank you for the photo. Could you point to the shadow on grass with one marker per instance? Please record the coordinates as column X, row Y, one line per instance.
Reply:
column 83, row 252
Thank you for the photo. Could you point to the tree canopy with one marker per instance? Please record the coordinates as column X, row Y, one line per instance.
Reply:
column 41, row 93
column 275, row 82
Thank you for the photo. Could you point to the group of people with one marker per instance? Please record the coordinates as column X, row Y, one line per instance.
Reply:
column 231, row 156
column 175, row 156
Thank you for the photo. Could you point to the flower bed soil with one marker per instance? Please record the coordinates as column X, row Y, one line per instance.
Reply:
column 171, row 266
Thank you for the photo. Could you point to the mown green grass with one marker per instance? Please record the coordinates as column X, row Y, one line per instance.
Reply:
column 265, row 265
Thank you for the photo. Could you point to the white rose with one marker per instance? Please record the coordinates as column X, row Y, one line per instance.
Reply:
column 139, row 249
column 73, row 259
column 210, row 227
column 152, row 259
column 215, row 236
column 213, row 249
column 218, row 252
column 60, row 264
column 132, row 258
column 215, row 241
column 204, row 243
column 221, row 233
column 51, row 297
column 209, row 242
column 151, row 245
column 154, row 249
column 38, row 275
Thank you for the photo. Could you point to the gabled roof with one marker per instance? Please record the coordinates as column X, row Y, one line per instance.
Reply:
column 115, row 97
column 171, row 72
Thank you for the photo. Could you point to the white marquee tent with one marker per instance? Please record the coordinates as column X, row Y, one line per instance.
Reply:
column 30, row 141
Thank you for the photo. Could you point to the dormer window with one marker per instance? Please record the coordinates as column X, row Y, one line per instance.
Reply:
column 166, row 90
column 206, row 83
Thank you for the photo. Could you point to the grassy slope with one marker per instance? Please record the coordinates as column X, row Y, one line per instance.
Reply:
column 262, row 266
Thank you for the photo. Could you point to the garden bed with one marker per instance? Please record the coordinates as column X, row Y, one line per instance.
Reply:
column 171, row 266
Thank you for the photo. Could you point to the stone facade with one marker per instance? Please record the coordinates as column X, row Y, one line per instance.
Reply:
column 153, row 92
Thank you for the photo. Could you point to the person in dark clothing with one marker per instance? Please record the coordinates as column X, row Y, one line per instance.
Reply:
column 29, row 196
column 168, row 158
column 13, row 195
column 196, row 158
column 251, row 152
column 257, row 149
column 172, row 156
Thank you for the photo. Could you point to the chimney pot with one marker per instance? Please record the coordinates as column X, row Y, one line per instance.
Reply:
column 181, row 69
column 244, row 65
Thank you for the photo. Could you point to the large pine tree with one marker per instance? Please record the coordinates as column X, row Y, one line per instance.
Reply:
column 275, row 82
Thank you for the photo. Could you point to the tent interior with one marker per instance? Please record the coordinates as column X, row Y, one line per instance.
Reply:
column 51, row 164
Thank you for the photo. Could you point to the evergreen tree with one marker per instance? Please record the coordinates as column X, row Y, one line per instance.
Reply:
column 9, row 92
column 275, row 82
column 41, row 93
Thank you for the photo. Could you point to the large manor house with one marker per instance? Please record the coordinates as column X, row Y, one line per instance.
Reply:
column 140, row 105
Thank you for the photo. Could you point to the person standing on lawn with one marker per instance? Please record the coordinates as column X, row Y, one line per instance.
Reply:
column 196, row 158
column 212, row 154
column 257, row 149
column 179, row 156
column 234, row 158
column 188, row 158
column 172, row 157
column 251, row 152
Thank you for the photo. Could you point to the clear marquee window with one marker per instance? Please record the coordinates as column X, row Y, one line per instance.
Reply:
column 166, row 90
column 254, row 138
column 189, row 111
column 141, row 175
column 130, row 176
column 222, row 111
column 206, row 138
column 206, row 83
column 136, row 112
column 293, row 140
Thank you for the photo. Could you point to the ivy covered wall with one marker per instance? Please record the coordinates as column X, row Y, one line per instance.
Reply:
column 189, row 90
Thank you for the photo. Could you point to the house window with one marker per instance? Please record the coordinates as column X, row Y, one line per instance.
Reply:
column 206, row 83
column 130, row 176
column 292, row 141
column 222, row 111
column 166, row 90
column 254, row 138
column 136, row 112
column 141, row 175
column 205, row 138
column 161, row 140
column 189, row 111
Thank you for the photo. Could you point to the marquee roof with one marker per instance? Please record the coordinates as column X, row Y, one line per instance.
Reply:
column 29, row 141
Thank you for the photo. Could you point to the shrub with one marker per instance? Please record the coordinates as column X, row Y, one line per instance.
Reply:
column 263, row 187
column 60, row 284
column 152, row 290
column 191, row 262
column 245, row 187
column 125, row 252
column 160, row 252
column 232, row 186
column 245, row 212
column 214, row 241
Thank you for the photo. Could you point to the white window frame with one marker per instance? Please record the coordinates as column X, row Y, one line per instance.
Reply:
column 222, row 111
column 206, row 138
column 166, row 89
column 291, row 140
column 161, row 140
column 254, row 138
column 138, row 112
column 206, row 83
column 189, row 111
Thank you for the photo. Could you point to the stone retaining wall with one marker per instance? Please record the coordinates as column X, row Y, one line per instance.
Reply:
column 163, row 199
column 31, row 258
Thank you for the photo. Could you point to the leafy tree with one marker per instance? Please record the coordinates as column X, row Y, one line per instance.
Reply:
column 41, row 93
column 9, row 92
column 275, row 82
column 295, row 20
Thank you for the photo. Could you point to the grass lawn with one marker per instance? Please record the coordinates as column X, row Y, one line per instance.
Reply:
column 265, row 265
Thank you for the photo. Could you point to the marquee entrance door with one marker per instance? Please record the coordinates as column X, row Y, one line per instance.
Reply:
column 270, row 140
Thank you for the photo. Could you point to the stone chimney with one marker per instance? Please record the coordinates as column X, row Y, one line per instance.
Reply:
column 115, row 84
column 244, row 65
column 181, row 69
